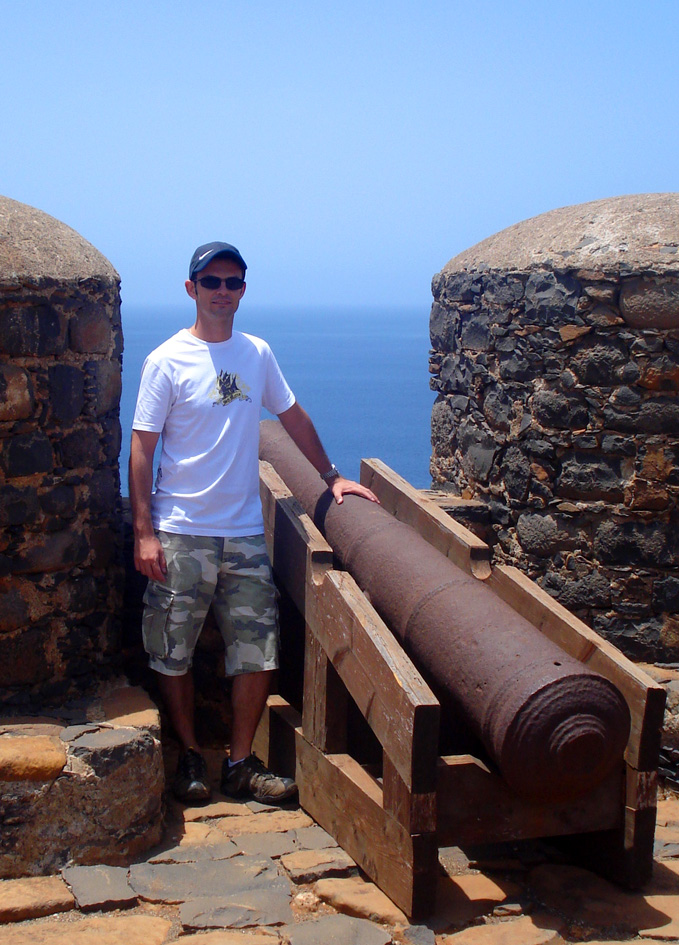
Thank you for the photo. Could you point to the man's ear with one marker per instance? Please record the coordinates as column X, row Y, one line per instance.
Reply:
column 191, row 288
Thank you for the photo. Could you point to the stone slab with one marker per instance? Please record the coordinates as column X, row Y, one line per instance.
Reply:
column 667, row 907
column 360, row 899
column 99, row 887
column 196, row 832
column 194, row 852
column 667, row 834
column 32, row 897
column 243, row 909
column 338, row 930
column 30, row 725
column 31, row 758
column 179, row 882
column 224, row 937
column 314, row 838
column 665, row 851
column 131, row 706
column 216, row 809
column 71, row 732
column 419, row 935
column 308, row 866
column 668, row 812
column 92, row 930
column 665, row 878
column 267, row 844
column 584, row 897
column 275, row 821
column 528, row 930
column 462, row 898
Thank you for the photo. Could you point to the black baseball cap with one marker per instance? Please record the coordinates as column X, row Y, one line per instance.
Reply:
column 206, row 253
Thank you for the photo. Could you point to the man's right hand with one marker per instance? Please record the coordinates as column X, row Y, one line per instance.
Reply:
column 149, row 558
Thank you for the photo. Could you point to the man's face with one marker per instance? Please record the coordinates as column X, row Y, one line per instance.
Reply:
column 216, row 305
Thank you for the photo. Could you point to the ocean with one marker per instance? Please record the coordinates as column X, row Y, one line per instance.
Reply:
column 361, row 374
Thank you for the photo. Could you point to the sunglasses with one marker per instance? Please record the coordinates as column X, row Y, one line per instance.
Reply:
column 232, row 283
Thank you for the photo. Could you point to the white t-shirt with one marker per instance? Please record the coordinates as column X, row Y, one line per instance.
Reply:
column 205, row 398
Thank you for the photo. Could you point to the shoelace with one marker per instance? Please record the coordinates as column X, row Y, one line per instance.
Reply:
column 257, row 767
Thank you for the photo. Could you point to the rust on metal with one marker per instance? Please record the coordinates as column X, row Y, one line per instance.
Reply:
column 554, row 728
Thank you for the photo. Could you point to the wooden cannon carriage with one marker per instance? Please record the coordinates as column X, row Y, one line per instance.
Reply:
column 393, row 818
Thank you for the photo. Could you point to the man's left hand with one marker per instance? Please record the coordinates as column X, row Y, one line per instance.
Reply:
column 339, row 486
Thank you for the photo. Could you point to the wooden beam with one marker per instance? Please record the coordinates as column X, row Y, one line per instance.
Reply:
column 299, row 553
column 347, row 803
column 325, row 704
column 398, row 705
column 476, row 806
column 408, row 505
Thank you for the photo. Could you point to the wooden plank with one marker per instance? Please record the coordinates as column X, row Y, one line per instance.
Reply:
column 299, row 553
column 416, row 812
column 623, row 855
column 398, row 705
column 347, row 803
column 476, row 806
column 324, row 715
column 274, row 740
column 408, row 505
column 645, row 698
column 641, row 789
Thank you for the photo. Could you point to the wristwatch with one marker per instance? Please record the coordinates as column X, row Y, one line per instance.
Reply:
column 330, row 474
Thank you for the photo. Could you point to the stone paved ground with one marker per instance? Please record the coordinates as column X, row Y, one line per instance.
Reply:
column 237, row 873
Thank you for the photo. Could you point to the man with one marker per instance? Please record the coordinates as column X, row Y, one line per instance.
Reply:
column 199, row 535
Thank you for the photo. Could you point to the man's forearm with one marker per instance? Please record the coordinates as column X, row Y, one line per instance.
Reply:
column 141, row 486
column 299, row 426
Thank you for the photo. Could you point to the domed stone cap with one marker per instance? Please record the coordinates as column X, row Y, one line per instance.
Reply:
column 635, row 233
column 35, row 247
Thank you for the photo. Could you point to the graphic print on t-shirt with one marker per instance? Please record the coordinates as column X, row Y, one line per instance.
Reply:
column 227, row 388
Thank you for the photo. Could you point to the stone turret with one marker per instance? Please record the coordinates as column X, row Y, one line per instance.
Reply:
column 556, row 362
column 60, row 381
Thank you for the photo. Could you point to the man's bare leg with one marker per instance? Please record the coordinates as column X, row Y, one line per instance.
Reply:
column 249, row 692
column 250, row 777
column 178, row 697
column 191, row 781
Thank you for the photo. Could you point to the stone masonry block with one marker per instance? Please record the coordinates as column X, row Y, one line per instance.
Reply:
column 90, row 331
column 104, row 385
column 650, row 302
column 16, row 393
column 56, row 551
column 37, row 758
column 26, row 454
column 67, row 392
column 32, row 330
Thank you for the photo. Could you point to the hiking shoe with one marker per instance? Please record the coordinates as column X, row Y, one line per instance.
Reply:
column 251, row 778
column 190, row 781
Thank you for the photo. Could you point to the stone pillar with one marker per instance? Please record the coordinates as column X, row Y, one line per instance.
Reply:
column 60, row 380
column 556, row 362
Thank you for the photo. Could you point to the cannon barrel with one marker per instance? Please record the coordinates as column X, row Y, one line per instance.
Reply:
column 554, row 728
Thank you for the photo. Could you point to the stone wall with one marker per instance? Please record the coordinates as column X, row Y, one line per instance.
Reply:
column 60, row 381
column 556, row 362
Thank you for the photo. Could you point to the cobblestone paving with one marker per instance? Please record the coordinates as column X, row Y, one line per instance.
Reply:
column 239, row 873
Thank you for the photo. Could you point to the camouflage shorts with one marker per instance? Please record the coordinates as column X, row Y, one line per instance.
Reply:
column 231, row 574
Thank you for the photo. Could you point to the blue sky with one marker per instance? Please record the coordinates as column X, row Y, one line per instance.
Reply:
column 348, row 149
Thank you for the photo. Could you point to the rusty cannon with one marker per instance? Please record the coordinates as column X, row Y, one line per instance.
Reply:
column 405, row 615
column 553, row 727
